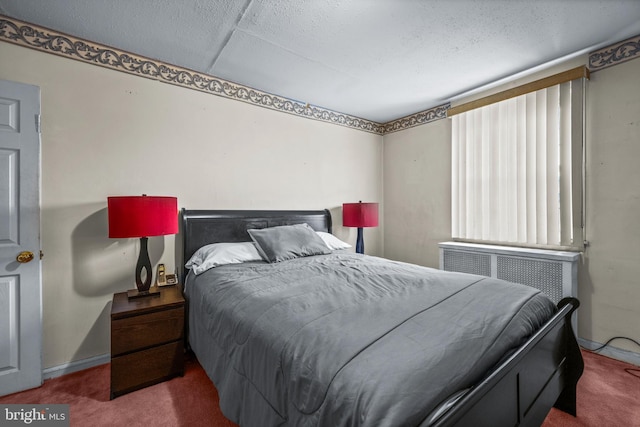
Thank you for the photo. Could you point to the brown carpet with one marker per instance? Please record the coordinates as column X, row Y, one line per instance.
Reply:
column 183, row 401
column 608, row 395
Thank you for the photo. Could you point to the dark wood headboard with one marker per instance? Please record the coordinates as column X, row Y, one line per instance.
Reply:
column 203, row 227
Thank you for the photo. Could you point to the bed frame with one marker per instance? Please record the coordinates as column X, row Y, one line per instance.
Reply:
column 521, row 391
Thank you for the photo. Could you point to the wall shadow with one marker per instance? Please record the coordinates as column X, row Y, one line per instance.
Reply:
column 96, row 336
column 343, row 233
column 585, row 296
column 102, row 266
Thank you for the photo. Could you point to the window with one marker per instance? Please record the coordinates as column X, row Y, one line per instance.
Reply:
column 517, row 165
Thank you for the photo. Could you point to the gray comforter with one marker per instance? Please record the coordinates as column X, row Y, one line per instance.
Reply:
column 351, row 340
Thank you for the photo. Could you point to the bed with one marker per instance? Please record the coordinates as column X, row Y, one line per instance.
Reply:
column 338, row 338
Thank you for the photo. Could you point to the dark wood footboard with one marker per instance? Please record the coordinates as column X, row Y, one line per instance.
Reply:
column 542, row 373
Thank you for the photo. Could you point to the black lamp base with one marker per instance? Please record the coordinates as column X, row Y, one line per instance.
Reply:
column 144, row 263
column 134, row 293
column 359, row 242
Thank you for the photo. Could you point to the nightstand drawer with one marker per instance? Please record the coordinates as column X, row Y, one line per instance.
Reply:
column 146, row 330
column 143, row 368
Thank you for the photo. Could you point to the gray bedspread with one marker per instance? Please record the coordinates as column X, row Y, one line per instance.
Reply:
column 351, row 340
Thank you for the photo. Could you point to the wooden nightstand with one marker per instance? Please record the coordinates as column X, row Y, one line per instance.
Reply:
column 147, row 339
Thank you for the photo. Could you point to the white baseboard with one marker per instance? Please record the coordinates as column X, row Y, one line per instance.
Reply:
column 612, row 352
column 78, row 365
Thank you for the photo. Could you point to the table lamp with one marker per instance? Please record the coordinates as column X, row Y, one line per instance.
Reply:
column 142, row 216
column 360, row 215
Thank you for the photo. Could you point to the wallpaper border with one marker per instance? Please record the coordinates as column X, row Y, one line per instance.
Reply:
column 43, row 39
column 417, row 119
column 40, row 38
column 615, row 54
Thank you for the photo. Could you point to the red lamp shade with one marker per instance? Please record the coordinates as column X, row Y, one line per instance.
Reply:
column 360, row 214
column 142, row 216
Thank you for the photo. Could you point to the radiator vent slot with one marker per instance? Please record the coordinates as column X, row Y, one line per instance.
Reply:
column 466, row 262
column 543, row 275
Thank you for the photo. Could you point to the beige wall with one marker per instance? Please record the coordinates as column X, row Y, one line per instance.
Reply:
column 109, row 133
column 609, row 279
column 417, row 184
column 417, row 199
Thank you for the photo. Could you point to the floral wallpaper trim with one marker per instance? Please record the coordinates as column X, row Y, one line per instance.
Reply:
column 417, row 119
column 43, row 39
column 615, row 54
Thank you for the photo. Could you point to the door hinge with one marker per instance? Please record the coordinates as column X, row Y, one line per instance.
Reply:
column 38, row 123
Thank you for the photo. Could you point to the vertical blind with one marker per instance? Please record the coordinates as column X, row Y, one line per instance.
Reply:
column 517, row 168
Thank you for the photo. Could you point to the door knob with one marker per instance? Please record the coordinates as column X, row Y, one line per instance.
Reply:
column 24, row 257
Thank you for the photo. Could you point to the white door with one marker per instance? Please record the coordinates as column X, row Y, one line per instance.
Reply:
column 20, row 287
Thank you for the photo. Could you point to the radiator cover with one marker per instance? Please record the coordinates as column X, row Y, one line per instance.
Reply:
column 553, row 272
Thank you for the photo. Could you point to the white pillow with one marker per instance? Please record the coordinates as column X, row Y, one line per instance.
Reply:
column 332, row 241
column 218, row 254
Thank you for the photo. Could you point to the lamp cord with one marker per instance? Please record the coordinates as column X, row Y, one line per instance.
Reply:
column 631, row 371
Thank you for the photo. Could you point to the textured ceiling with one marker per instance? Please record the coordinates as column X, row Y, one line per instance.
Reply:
column 374, row 59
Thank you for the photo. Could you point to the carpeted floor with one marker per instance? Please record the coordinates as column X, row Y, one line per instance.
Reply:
column 608, row 395
column 191, row 400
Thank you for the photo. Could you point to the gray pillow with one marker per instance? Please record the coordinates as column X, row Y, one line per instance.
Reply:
column 285, row 242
